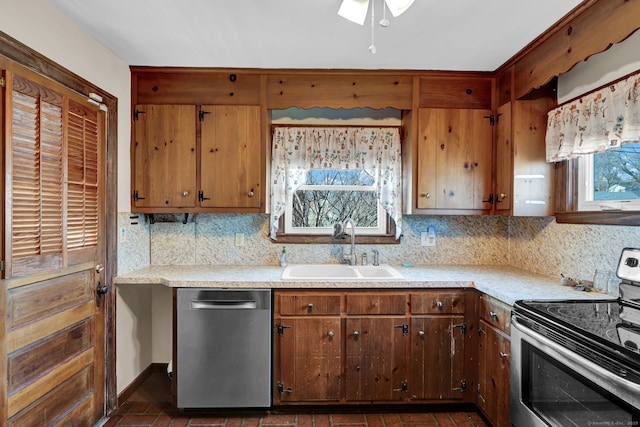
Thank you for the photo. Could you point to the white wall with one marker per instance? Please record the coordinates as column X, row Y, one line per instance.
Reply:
column 44, row 29
column 619, row 60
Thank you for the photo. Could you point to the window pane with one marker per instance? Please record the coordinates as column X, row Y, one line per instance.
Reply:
column 339, row 177
column 616, row 174
column 323, row 208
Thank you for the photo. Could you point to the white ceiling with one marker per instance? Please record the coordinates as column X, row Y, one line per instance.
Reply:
column 432, row 35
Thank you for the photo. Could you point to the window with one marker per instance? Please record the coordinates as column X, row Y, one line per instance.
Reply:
column 323, row 175
column 329, row 196
column 610, row 180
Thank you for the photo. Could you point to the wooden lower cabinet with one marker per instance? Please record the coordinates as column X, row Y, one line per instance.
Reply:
column 358, row 346
column 310, row 360
column 437, row 358
column 376, row 358
column 493, row 388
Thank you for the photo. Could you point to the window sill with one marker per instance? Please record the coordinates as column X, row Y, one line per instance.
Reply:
column 599, row 217
column 315, row 239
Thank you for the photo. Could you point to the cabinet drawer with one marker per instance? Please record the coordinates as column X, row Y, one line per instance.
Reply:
column 496, row 313
column 312, row 304
column 437, row 302
column 377, row 304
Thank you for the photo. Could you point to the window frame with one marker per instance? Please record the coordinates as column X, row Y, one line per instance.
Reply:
column 566, row 201
column 586, row 191
column 380, row 230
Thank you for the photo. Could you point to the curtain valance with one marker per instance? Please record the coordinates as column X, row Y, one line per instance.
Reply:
column 599, row 121
column 296, row 150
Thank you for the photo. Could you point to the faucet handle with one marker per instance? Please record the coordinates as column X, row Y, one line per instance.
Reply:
column 376, row 257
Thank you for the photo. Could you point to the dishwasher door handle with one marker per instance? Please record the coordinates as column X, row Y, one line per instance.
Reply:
column 224, row 305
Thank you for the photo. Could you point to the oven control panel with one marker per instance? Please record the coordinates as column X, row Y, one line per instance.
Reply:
column 629, row 265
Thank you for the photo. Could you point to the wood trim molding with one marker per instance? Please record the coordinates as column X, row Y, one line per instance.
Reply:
column 592, row 27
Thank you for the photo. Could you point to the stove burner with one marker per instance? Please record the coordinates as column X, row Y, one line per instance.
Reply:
column 600, row 312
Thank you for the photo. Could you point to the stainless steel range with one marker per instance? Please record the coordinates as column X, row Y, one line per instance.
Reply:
column 577, row 362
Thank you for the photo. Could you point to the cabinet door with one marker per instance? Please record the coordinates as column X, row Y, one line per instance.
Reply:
column 375, row 358
column 437, row 358
column 454, row 159
column 494, row 375
column 504, row 160
column 309, row 360
column 231, row 160
column 164, row 152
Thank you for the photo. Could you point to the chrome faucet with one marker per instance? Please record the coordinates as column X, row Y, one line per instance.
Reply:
column 339, row 232
column 376, row 257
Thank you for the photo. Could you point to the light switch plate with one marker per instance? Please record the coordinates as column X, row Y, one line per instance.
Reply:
column 428, row 238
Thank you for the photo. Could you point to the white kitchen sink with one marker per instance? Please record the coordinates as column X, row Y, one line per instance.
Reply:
column 340, row 272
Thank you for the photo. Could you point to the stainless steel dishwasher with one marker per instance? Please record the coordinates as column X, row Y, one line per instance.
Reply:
column 223, row 348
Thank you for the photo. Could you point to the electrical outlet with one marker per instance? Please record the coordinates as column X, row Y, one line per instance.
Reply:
column 239, row 239
column 428, row 238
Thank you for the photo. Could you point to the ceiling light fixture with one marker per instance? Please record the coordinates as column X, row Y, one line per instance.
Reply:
column 356, row 11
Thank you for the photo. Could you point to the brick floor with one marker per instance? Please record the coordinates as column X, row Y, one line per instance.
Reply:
column 148, row 408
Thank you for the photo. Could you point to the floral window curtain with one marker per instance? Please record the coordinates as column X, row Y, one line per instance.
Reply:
column 599, row 121
column 295, row 150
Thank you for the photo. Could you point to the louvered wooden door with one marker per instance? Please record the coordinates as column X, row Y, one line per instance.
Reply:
column 53, row 250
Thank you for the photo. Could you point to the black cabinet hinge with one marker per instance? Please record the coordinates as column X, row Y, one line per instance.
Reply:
column 462, row 326
column 282, row 327
column 136, row 114
column 201, row 114
column 489, row 200
column 463, row 386
column 404, row 387
column 136, row 197
column 404, row 327
column 492, row 119
column 282, row 390
column 201, row 197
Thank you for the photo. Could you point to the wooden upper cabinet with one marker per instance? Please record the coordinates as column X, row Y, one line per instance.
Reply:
column 231, row 163
column 454, row 159
column 504, row 161
column 164, row 157
column 524, row 181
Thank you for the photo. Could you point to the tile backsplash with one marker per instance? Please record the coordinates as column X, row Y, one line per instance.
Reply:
column 535, row 244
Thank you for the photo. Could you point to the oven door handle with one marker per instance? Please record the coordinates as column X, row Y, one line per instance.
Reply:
column 605, row 379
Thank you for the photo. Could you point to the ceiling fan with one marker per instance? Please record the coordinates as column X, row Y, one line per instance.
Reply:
column 356, row 10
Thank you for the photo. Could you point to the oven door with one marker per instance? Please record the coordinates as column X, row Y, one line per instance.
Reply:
column 553, row 386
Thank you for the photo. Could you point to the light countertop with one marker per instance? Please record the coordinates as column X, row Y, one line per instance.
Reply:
column 504, row 283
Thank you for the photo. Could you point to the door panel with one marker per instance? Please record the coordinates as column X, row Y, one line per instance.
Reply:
column 164, row 152
column 230, row 159
column 310, row 359
column 437, row 358
column 54, row 221
column 375, row 359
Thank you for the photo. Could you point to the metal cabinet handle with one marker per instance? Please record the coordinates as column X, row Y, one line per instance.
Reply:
column 421, row 334
column 356, row 333
column 427, row 195
column 309, row 308
column 250, row 193
column 185, row 193
column 493, row 315
column 503, row 355
column 99, row 268
column 330, row 334
column 439, row 304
